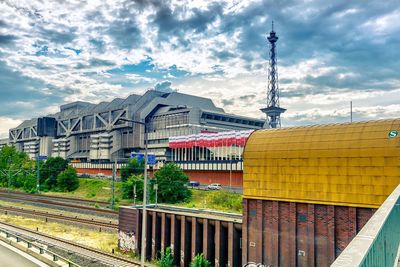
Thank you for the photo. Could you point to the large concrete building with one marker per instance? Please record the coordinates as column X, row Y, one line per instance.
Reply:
column 98, row 133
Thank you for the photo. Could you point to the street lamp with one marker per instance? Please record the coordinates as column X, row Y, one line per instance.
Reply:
column 144, row 217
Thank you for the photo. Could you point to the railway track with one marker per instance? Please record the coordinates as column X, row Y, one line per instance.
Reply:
column 91, row 253
column 60, row 217
column 54, row 201
column 60, row 198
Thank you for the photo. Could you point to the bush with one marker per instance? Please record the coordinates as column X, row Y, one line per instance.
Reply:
column 18, row 180
column 127, row 187
column 30, row 183
column 167, row 259
column 200, row 261
column 134, row 167
column 67, row 180
column 50, row 170
column 171, row 182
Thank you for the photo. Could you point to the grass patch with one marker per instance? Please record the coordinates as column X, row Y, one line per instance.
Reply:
column 94, row 189
column 218, row 200
column 100, row 190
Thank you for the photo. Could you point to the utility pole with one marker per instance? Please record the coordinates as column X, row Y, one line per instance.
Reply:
column 38, row 174
column 144, row 217
column 134, row 194
column 230, row 173
column 144, row 210
column 156, row 189
column 9, row 174
column 114, row 173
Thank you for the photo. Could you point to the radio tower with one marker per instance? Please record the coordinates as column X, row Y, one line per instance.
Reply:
column 273, row 111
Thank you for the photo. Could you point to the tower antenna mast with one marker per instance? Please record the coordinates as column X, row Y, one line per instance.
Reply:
column 273, row 110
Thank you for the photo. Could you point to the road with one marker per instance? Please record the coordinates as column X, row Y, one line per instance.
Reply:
column 238, row 190
column 9, row 257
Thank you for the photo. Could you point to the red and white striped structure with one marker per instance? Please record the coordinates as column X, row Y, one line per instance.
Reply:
column 209, row 146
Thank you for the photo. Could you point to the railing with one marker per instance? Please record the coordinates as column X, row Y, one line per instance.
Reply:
column 193, row 211
column 377, row 244
column 89, row 165
column 211, row 165
column 205, row 165
column 45, row 255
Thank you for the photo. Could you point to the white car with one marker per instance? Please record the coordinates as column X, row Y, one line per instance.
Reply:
column 214, row 187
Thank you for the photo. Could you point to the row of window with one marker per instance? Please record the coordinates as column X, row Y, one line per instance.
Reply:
column 165, row 121
column 231, row 119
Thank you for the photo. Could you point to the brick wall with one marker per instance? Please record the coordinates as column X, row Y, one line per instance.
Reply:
column 220, row 177
column 279, row 233
column 204, row 177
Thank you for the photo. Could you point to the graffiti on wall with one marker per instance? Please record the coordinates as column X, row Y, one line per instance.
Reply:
column 127, row 241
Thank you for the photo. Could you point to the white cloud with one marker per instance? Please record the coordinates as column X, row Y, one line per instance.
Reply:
column 6, row 124
column 306, row 51
column 383, row 25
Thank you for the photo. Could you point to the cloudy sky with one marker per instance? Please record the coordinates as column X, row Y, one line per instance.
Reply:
column 329, row 53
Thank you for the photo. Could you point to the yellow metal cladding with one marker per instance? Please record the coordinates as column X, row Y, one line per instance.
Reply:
column 355, row 164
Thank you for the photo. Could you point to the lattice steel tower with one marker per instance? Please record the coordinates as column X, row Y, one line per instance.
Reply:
column 273, row 111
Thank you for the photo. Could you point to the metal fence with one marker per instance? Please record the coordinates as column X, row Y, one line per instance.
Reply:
column 211, row 165
column 26, row 245
column 377, row 244
column 187, row 165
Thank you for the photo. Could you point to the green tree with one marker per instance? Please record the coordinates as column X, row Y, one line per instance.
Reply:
column 68, row 180
column 13, row 166
column 172, row 183
column 127, row 187
column 49, row 171
column 200, row 261
column 134, row 167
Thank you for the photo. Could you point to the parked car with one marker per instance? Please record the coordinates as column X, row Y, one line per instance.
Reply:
column 214, row 187
column 193, row 184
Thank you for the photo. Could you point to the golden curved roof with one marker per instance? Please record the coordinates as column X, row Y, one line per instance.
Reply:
column 353, row 164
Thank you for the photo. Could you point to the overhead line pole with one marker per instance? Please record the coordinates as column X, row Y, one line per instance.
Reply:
column 38, row 174
column 114, row 174
column 144, row 215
